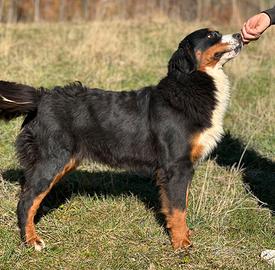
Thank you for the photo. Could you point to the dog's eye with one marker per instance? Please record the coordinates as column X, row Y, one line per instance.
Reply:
column 211, row 35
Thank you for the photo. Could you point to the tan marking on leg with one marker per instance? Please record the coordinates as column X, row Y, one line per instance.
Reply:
column 175, row 221
column 32, row 238
column 186, row 197
column 186, row 203
column 180, row 233
column 196, row 148
column 165, row 204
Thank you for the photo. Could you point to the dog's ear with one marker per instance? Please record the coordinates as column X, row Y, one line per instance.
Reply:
column 183, row 60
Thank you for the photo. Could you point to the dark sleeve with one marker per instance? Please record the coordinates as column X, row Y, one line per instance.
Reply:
column 271, row 13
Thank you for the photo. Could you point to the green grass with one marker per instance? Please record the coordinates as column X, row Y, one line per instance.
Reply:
column 102, row 218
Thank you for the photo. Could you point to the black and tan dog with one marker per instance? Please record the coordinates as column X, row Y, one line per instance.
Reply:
column 163, row 129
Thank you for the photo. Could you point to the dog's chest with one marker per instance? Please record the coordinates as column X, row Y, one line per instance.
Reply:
column 207, row 140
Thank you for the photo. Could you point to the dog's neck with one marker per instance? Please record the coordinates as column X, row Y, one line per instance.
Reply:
column 222, row 92
column 211, row 136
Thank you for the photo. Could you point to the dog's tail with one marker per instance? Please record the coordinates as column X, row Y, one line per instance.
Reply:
column 17, row 99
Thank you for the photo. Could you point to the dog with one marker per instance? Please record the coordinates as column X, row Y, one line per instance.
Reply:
column 163, row 130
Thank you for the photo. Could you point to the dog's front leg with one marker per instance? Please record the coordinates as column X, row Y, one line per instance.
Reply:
column 174, row 183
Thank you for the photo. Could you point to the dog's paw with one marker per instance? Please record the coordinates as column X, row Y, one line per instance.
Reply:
column 37, row 243
column 182, row 241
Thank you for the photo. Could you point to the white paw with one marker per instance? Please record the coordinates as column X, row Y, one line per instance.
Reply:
column 39, row 245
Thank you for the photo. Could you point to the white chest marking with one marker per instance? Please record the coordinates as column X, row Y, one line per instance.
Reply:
column 211, row 136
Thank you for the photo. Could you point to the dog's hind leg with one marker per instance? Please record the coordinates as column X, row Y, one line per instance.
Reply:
column 43, row 177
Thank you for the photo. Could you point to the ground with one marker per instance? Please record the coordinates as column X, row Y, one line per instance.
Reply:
column 103, row 218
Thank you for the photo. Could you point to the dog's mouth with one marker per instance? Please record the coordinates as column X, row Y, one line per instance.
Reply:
column 233, row 49
column 238, row 43
column 235, row 43
column 238, row 48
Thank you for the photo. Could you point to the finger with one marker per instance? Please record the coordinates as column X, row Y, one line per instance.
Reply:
column 248, row 36
column 243, row 34
column 245, row 41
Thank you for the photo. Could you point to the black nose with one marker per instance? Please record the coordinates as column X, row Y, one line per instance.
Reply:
column 237, row 36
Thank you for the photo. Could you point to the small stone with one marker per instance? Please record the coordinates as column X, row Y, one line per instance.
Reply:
column 269, row 256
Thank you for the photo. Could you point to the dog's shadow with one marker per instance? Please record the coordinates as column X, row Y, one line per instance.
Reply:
column 258, row 174
column 100, row 184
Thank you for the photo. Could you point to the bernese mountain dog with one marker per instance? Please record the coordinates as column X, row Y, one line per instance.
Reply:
column 163, row 130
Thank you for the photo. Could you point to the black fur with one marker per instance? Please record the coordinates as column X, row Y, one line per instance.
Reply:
column 146, row 130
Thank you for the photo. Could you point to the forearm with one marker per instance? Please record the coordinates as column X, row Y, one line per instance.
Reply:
column 271, row 13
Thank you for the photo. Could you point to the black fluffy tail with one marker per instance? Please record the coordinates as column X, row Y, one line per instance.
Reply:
column 17, row 99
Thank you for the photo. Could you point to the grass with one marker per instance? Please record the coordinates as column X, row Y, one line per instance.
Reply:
column 102, row 218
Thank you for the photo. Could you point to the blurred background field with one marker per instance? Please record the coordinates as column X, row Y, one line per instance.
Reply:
column 218, row 11
column 102, row 218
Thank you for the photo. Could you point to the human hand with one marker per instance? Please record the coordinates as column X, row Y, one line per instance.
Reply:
column 254, row 27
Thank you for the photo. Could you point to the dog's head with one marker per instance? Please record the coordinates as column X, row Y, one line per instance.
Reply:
column 202, row 49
